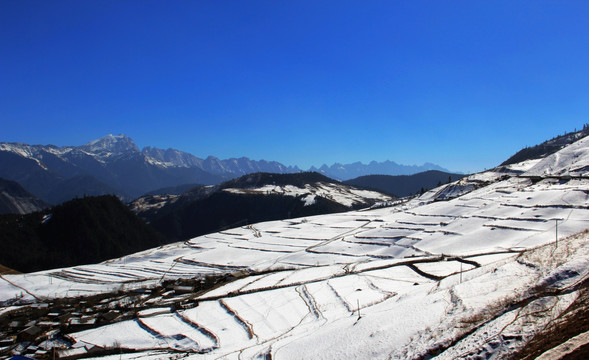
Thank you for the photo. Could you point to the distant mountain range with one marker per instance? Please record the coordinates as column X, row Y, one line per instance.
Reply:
column 229, row 168
column 115, row 165
column 357, row 169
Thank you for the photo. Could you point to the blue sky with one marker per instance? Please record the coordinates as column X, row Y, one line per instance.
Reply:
column 463, row 84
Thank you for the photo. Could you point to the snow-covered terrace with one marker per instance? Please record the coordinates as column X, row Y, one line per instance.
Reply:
column 393, row 282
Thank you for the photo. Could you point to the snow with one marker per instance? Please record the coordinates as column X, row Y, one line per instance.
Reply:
column 439, row 271
column 341, row 194
column 309, row 200
column 127, row 333
column 572, row 160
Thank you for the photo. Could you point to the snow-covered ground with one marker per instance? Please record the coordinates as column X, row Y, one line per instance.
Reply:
column 467, row 269
column 345, row 195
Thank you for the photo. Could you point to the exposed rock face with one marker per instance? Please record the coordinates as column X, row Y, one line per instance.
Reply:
column 14, row 199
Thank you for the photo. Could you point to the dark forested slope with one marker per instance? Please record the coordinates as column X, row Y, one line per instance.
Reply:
column 80, row 231
column 404, row 185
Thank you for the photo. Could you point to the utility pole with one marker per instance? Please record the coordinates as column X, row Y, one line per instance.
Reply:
column 556, row 232
column 461, row 272
column 359, row 316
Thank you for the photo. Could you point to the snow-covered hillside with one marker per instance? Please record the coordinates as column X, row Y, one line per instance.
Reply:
column 341, row 194
column 468, row 269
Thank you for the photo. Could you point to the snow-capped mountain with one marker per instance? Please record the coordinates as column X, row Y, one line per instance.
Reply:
column 172, row 157
column 229, row 168
column 484, row 267
column 243, row 166
column 110, row 145
column 114, row 164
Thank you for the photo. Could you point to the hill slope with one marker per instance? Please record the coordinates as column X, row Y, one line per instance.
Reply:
column 81, row 231
column 404, row 185
column 548, row 147
column 14, row 199
column 250, row 199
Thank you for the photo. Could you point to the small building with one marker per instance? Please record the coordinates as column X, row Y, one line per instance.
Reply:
column 77, row 352
column 30, row 333
column 110, row 316
column 81, row 323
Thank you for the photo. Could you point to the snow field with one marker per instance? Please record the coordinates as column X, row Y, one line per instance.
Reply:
column 129, row 334
column 346, row 197
column 413, row 270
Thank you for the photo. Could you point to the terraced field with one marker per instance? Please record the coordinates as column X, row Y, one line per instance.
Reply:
column 468, row 269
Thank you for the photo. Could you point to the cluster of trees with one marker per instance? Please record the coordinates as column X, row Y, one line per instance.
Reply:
column 81, row 231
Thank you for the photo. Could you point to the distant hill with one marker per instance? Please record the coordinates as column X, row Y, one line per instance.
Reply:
column 81, row 186
column 80, row 231
column 249, row 199
column 173, row 190
column 14, row 199
column 404, row 185
column 357, row 169
column 548, row 147
column 260, row 179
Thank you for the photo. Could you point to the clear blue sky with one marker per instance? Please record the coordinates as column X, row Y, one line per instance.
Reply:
column 463, row 84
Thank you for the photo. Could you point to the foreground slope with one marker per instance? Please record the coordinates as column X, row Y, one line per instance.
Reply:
column 468, row 270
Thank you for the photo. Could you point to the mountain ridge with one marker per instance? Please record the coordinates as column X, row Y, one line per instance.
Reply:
column 249, row 199
column 353, row 170
column 114, row 164
column 547, row 147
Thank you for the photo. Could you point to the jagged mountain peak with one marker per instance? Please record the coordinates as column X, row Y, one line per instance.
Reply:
column 111, row 144
column 172, row 157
